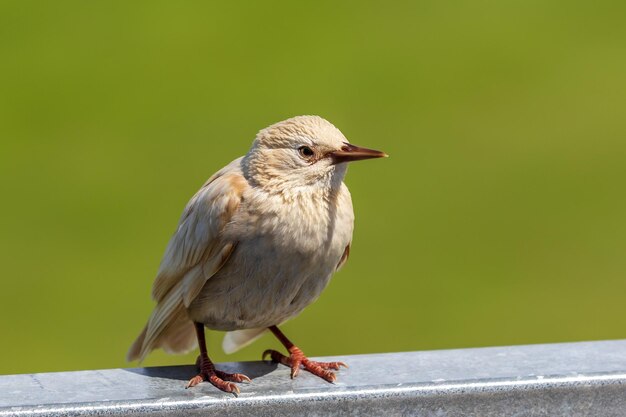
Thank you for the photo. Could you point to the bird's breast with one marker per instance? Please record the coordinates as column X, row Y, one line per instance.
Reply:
column 307, row 223
column 286, row 253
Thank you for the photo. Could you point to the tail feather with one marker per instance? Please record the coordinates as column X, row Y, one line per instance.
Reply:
column 135, row 349
column 181, row 337
column 169, row 327
column 238, row 339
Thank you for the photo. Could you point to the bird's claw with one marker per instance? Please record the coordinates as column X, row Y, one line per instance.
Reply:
column 232, row 377
column 296, row 359
column 222, row 382
column 220, row 379
column 266, row 353
column 194, row 381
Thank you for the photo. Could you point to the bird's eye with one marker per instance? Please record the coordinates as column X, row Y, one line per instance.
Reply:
column 306, row 152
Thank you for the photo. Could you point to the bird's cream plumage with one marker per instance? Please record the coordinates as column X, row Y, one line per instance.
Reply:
column 259, row 241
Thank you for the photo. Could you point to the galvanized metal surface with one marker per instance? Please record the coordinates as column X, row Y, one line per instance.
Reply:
column 573, row 379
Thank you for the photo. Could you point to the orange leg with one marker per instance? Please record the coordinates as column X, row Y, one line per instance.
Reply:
column 219, row 379
column 296, row 359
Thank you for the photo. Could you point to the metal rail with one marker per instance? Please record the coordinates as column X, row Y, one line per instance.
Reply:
column 573, row 379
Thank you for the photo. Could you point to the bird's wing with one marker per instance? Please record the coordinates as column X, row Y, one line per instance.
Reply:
column 197, row 250
column 344, row 257
column 194, row 254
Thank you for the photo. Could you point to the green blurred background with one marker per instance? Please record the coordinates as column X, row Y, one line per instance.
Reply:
column 500, row 217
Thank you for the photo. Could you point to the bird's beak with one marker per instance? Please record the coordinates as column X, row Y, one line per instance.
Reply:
column 349, row 152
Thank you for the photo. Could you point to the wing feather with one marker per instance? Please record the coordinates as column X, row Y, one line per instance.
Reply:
column 197, row 237
column 344, row 257
column 194, row 254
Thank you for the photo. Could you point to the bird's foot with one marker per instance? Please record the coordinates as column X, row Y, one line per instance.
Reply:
column 220, row 379
column 296, row 359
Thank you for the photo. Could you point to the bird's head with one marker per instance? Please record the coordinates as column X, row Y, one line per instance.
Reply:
column 304, row 151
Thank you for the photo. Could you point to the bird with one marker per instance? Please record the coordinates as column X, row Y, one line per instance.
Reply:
column 254, row 246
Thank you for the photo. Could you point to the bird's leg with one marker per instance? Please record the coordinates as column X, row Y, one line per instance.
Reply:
column 296, row 359
column 220, row 379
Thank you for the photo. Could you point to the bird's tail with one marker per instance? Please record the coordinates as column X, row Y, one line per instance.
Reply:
column 235, row 340
column 135, row 349
column 174, row 333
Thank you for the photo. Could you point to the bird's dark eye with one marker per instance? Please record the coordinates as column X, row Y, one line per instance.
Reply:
column 305, row 151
